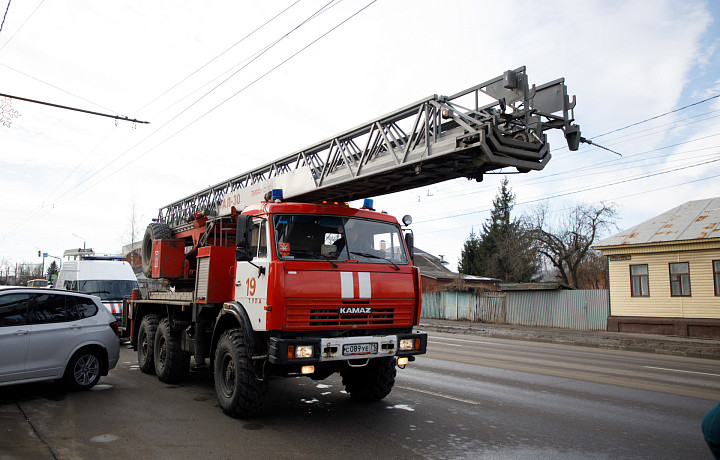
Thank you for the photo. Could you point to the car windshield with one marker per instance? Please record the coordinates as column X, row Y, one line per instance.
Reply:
column 334, row 238
column 108, row 289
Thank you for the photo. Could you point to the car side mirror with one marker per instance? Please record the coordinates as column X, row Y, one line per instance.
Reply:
column 243, row 238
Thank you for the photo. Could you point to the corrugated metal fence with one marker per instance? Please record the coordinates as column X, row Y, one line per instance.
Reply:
column 585, row 310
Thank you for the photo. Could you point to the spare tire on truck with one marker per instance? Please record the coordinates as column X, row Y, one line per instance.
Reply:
column 154, row 231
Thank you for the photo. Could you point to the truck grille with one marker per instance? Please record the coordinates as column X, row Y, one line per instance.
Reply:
column 305, row 315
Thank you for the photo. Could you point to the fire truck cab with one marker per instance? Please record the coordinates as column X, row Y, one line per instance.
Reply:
column 335, row 283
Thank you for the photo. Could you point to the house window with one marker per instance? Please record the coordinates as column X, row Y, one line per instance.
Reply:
column 716, row 276
column 680, row 279
column 639, row 286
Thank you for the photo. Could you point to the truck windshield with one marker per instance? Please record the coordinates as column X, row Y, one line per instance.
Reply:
column 334, row 238
column 108, row 289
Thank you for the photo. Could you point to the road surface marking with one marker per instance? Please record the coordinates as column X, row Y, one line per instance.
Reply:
column 680, row 370
column 432, row 393
column 443, row 343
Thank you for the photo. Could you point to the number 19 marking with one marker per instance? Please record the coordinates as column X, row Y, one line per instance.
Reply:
column 250, row 283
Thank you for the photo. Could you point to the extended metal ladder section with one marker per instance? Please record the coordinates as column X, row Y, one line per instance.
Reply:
column 433, row 140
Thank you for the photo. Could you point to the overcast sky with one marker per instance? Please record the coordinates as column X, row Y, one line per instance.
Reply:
column 217, row 110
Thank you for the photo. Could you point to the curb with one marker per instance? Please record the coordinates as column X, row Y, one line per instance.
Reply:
column 643, row 343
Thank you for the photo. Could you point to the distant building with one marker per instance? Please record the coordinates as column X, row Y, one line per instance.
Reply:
column 665, row 273
column 436, row 276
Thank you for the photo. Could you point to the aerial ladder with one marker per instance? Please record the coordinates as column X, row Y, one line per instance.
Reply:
column 433, row 140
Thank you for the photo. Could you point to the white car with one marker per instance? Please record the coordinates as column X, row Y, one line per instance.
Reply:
column 52, row 334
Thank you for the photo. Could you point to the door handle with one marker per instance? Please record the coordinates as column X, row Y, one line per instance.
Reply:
column 21, row 332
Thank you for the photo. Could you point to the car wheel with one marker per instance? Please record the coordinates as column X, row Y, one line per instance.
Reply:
column 83, row 371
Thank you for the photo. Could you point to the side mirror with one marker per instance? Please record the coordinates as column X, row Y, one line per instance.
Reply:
column 409, row 241
column 243, row 238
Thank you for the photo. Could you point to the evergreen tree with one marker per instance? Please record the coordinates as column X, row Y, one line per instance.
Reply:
column 52, row 270
column 504, row 249
column 470, row 255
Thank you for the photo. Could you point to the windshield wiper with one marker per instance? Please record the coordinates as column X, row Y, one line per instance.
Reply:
column 313, row 255
column 373, row 256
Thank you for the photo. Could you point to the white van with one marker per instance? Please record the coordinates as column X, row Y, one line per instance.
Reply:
column 108, row 277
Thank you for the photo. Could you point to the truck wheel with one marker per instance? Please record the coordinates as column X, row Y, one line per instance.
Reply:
column 83, row 371
column 171, row 363
column 238, row 389
column 146, row 343
column 154, row 231
column 372, row 382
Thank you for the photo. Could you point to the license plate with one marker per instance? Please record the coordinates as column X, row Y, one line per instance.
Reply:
column 354, row 349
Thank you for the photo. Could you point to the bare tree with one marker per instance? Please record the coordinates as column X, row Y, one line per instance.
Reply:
column 593, row 271
column 134, row 231
column 566, row 244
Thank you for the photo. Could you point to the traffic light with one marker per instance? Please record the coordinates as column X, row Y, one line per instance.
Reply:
column 39, row 254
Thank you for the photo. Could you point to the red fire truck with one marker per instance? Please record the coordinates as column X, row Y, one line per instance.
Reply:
column 272, row 274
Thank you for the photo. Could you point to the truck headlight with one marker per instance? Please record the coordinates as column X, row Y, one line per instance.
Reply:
column 407, row 344
column 303, row 351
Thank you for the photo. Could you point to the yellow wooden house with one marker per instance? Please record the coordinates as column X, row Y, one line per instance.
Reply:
column 664, row 274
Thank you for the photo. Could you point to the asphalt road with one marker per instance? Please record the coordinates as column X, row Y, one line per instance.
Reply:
column 470, row 397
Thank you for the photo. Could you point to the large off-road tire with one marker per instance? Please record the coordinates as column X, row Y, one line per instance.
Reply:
column 154, row 231
column 171, row 363
column 146, row 343
column 371, row 382
column 239, row 391
column 83, row 370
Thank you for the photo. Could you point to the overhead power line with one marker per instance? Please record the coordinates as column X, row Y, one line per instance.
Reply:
column 22, row 25
column 586, row 189
column 219, row 55
column 205, row 114
column 166, row 139
column 116, row 117
column 658, row 116
column 56, row 87
column 5, row 15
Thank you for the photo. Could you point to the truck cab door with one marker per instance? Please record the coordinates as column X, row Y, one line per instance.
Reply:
column 251, row 277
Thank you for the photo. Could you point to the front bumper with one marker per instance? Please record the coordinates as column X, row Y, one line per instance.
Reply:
column 336, row 348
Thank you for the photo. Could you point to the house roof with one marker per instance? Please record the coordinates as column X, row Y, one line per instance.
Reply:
column 694, row 220
column 430, row 265
column 434, row 267
column 533, row 286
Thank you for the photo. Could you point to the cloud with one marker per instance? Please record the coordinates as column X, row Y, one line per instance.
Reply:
column 625, row 61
